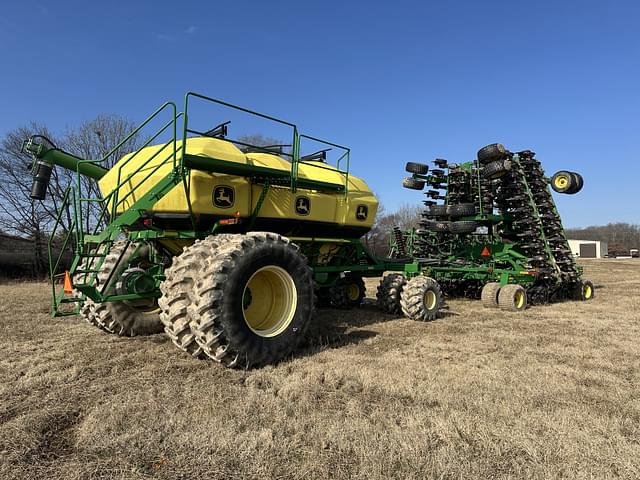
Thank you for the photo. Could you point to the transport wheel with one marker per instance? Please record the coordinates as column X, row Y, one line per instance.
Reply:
column 419, row 168
column 490, row 152
column 347, row 293
column 563, row 182
column 253, row 300
column 496, row 169
column 461, row 209
column 489, row 295
column 389, row 292
column 421, row 299
column 125, row 318
column 584, row 291
column 579, row 182
column 177, row 291
column 465, row 226
column 512, row 297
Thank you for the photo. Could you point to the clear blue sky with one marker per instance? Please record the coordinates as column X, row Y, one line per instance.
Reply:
column 396, row 81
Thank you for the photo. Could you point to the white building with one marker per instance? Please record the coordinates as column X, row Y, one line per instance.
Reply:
column 588, row 248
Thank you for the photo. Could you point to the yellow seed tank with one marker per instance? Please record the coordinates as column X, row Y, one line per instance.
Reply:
column 214, row 195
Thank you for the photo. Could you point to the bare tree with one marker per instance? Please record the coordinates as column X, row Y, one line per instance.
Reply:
column 19, row 214
column 97, row 140
column 405, row 218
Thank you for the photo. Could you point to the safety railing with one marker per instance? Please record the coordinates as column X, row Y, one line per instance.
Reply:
column 112, row 201
column 295, row 142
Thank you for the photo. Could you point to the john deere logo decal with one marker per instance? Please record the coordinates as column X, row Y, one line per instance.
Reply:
column 223, row 196
column 362, row 212
column 303, row 205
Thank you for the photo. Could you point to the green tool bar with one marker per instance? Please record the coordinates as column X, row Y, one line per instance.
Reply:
column 55, row 156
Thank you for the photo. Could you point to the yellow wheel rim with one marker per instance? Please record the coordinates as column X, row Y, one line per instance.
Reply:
column 270, row 300
column 588, row 292
column 353, row 292
column 430, row 300
column 519, row 299
column 561, row 181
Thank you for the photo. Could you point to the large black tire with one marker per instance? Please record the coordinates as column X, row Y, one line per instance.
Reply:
column 413, row 183
column 347, row 293
column 88, row 306
column 512, row 297
column 178, row 289
column 124, row 318
column 421, row 299
column 496, row 169
column 489, row 295
column 461, row 209
column 419, row 168
column 464, row 226
column 389, row 293
column 253, row 301
column 491, row 152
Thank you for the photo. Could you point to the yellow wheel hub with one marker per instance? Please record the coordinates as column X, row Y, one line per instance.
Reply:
column 588, row 292
column 270, row 301
column 430, row 300
column 519, row 299
column 561, row 181
column 353, row 292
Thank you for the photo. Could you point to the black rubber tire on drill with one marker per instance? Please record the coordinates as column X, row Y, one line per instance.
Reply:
column 413, row 183
column 178, row 288
column 461, row 209
column 442, row 227
column 579, row 182
column 421, row 299
column 463, row 226
column 227, row 325
column 124, row 318
column 347, row 293
column 436, row 211
column 490, row 152
column 563, row 182
column 389, row 293
column 419, row 168
column 584, row 291
column 489, row 295
column 496, row 169
column 512, row 297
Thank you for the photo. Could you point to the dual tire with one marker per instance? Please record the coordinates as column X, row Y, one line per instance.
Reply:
column 510, row 297
column 567, row 182
column 248, row 301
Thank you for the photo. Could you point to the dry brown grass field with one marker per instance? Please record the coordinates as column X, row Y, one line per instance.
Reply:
column 551, row 393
